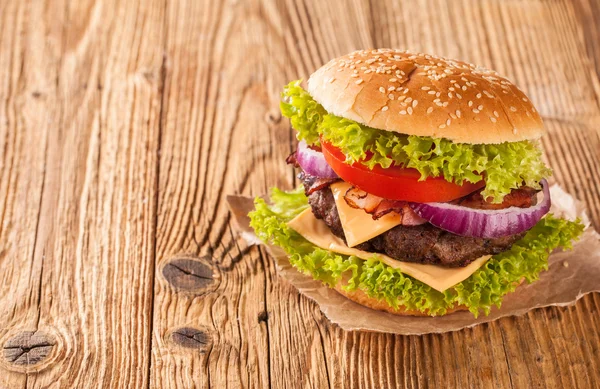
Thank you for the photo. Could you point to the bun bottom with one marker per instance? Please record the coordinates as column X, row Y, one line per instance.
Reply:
column 360, row 297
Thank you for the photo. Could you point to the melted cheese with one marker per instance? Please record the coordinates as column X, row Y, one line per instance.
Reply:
column 358, row 225
column 438, row 277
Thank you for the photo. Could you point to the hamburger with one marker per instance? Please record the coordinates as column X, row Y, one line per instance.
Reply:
column 423, row 187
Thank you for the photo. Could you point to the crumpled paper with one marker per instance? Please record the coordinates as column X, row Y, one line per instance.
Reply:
column 571, row 275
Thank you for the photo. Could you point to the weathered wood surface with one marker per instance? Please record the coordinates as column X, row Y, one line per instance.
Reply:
column 123, row 125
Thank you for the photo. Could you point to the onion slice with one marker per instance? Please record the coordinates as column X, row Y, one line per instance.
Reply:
column 313, row 162
column 484, row 223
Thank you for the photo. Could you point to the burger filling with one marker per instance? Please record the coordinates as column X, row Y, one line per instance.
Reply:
column 422, row 243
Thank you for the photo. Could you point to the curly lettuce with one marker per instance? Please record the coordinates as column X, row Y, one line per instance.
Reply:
column 504, row 166
column 484, row 289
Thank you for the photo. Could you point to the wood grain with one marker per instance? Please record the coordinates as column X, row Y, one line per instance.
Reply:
column 123, row 126
column 82, row 140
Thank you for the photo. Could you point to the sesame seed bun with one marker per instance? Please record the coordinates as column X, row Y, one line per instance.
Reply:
column 425, row 95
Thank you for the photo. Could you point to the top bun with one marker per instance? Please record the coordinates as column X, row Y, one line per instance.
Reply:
column 425, row 95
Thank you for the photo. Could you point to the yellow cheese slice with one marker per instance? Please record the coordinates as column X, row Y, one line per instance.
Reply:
column 438, row 277
column 358, row 225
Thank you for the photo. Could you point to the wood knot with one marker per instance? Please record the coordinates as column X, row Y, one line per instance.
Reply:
column 273, row 117
column 188, row 274
column 28, row 348
column 193, row 338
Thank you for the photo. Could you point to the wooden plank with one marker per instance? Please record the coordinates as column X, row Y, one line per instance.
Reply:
column 216, row 86
column 30, row 48
column 91, row 261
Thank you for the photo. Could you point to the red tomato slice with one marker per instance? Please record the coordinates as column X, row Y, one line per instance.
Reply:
column 395, row 183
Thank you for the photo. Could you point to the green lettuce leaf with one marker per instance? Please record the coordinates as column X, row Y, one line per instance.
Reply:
column 485, row 288
column 504, row 166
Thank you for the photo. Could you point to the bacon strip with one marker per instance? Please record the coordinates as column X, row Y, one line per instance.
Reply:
column 291, row 160
column 524, row 197
column 313, row 184
column 378, row 207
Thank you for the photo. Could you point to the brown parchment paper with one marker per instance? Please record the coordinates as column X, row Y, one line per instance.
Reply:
column 571, row 275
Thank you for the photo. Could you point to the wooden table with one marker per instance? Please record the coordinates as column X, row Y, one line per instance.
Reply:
column 123, row 126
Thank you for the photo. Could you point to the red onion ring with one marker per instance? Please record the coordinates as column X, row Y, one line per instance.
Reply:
column 482, row 223
column 313, row 162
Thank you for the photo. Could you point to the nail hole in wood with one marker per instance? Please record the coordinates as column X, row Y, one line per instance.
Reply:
column 190, row 274
column 191, row 338
column 263, row 317
column 28, row 348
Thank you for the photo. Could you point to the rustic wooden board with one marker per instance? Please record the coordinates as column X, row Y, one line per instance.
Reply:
column 123, row 125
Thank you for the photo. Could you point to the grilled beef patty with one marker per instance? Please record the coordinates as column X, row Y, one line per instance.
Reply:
column 421, row 244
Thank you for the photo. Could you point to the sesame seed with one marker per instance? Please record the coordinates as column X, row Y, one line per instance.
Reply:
column 391, row 96
column 496, row 114
column 359, row 81
column 459, row 96
column 448, row 122
column 425, row 88
column 453, row 116
column 488, row 94
column 409, row 110
column 438, row 104
column 478, row 95
column 414, row 103
column 438, row 94
column 493, row 119
column 480, row 107
column 450, row 94
column 458, row 113
column 332, row 79
column 354, row 75
column 528, row 114
column 513, row 109
column 445, row 104
column 431, row 92
column 464, row 79
column 384, row 108
column 382, row 89
column 470, row 103
column 391, row 88
column 403, row 112
column 475, row 110
column 453, row 81
column 405, row 91
column 409, row 100
column 393, row 79
column 525, row 100
column 442, row 126
column 429, row 110
column 401, row 97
